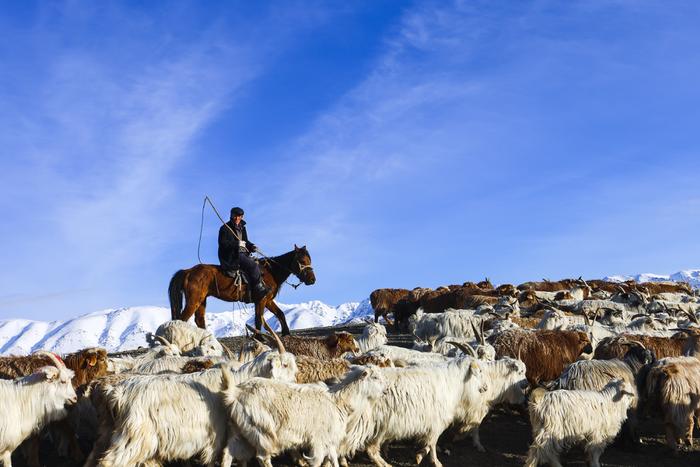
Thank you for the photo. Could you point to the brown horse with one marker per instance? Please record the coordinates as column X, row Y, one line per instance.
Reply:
column 204, row 280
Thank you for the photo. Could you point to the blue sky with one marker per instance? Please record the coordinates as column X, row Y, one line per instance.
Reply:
column 405, row 143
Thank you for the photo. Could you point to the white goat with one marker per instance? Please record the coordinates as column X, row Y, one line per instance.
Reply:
column 595, row 374
column 163, row 418
column 373, row 336
column 127, row 363
column 456, row 323
column 506, row 385
column 419, row 403
column 404, row 357
column 191, row 340
column 174, row 364
column 274, row 416
column 28, row 404
column 563, row 418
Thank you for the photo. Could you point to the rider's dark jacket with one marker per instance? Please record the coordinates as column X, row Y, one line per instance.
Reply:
column 229, row 245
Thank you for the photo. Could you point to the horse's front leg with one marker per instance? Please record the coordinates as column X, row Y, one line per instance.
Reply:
column 259, row 310
column 272, row 306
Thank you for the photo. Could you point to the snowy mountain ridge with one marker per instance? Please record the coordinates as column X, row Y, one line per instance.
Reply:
column 126, row 328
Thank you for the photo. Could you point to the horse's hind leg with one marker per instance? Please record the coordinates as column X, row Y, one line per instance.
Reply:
column 193, row 304
column 199, row 315
column 272, row 306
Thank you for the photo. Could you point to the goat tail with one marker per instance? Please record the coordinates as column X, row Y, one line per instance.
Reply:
column 229, row 386
column 175, row 292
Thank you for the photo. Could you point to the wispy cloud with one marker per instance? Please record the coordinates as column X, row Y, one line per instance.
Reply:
column 100, row 131
column 472, row 117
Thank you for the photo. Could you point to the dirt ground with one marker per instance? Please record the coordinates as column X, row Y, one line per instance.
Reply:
column 505, row 434
column 506, row 437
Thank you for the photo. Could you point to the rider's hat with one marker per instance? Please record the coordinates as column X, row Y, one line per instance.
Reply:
column 236, row 211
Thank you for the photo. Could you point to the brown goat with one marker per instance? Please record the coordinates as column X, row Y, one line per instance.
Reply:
column 312, row 370
column 544, row 352
column 366, row 359
column 323, row 348
column 673, row 391
column 686, row 342
column 671, row 287
column 194, row 366
column 527, row 299
column 383, row 300
column 87, row 364
column 612, row 287
column 551, row 286
column 459, row 299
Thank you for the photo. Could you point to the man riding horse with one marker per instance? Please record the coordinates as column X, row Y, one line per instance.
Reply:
column 197, row 283
column 235, row 250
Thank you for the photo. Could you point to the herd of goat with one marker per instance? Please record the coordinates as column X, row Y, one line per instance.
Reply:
column 587, row 360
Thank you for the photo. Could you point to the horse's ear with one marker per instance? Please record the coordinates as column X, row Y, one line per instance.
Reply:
column 295, row 247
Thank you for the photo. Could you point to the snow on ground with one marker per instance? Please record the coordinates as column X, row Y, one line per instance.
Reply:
column 126, row 328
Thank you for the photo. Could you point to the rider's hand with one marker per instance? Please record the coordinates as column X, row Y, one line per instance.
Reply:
column 252, row 248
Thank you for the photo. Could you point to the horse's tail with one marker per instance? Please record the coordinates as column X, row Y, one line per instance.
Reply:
column 175, row 292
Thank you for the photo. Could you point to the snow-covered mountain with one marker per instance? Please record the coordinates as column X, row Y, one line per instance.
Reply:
column 691, row 276
column 126, row 328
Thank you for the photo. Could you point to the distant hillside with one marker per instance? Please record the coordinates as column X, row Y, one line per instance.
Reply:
column 692, row 276
column 126, row 328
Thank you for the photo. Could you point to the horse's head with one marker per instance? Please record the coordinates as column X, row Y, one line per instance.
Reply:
column 301, row 267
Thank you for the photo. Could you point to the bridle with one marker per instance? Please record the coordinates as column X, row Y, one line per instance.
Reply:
column 301, row 268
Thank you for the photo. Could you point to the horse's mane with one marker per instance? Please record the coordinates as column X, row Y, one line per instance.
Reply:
column 279, row 267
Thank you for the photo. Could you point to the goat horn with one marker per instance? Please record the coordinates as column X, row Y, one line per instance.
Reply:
column 51, row 356
column 586, row 318
column 691, row 316
column 467, row 349
column 476, row 332
column 494, row 314
column 421, row 341
column 637, row 343
column 482, row 341
column 162, row 340
column 280, row 346
column 637, row 316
